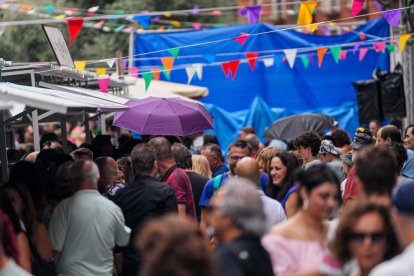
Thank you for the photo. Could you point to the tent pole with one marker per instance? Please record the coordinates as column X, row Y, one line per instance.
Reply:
column 64, row 133
column 36, row 135
column 3, row 150
column 103, row 123
column 131, row 49
column 87, row 130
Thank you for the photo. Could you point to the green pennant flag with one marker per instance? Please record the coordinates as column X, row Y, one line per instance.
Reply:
column 305, row 61
column 174, row 52
column 148, row 78
column 165, row 73
column 336, row 51
column 119, row 12
column 390, row 48
column 118, row 29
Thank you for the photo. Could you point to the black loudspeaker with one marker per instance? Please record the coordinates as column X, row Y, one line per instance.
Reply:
column 369, row 101
column 392, row 93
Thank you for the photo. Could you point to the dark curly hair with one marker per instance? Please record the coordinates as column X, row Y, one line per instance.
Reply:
column 340, row 138
column 340, row 244
column 309, row 139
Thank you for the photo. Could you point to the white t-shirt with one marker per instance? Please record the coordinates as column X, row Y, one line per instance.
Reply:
column 273, row 210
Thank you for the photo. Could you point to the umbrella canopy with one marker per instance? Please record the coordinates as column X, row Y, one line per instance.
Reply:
column 164, row 116
column 292, row 126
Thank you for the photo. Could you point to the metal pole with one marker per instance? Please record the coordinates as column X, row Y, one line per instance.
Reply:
column 87, row 130
column 36, row 135
column 3, row 150
column 64, row 133
column 103, row 123
column 131, row 49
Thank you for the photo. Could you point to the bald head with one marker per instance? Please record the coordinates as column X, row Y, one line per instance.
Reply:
column 248, row 168
column 84, row 175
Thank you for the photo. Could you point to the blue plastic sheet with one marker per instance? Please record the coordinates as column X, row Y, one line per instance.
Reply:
column 282, row 90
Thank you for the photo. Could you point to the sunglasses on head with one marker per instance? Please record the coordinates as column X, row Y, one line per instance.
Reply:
column 375, row 237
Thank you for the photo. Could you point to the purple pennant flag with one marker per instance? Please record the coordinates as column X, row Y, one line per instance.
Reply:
column 392, row 17
column 310, row 57
column 378, row 5
column 196, row 10
column 124, row 64
column 155, row 19
column 356, row 47
column 326, row 30
column 252, row 13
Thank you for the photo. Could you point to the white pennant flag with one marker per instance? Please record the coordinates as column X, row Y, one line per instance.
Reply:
column 268, row 62
column 93, row 9
column 291, row 56
column 199, row 70
column 190, row 73
column 110, row 62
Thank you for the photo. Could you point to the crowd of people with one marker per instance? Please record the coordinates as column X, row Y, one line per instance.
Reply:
column 320, row 204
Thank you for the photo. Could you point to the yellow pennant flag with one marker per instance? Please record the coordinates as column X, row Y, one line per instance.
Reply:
column 100, row 71
column 80, row 64
column 312, row 27
column 403, row 41
column 61, row 16
column 176, row 23
column 167, row 14
column 305, row 12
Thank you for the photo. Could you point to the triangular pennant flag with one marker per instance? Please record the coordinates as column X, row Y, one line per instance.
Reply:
column 362, row 53
column 252, row 13
column 291, row 56
column 156, row 72
column 104, row 84
column 175, row 23
column 209, row 58
column 251, row 58
column 356, row 47
column 310, row 57
column 357, row 7
column 124, row 64
column 190, row 70
column 312, row 27
column 225, row 67
column 342, row 55
column 99, row 24
column 196, row 26
column 148, row 78
column 378, row 5
column 93, row 9
column 143, row 20
column 80, row 65
column 305, row 61
column 233, row 66
column 321, row 54
column 168, row 63
column 305, row 12
column 155, row 19
column 362, row 36
column 49, row 9
column 379, row 46
column 216, row 13
column 133, row 71
column 100, row 71
column 241, row 39
column 335, row 50
column 110, row 62
column 268, row 62
column 390, row 48
column 119, row 29
column 199, row 70
column 165, row 73
column 129, row 29
column 403, row 41
column 75, row 26
column 174, row 52
column 196, row 10
column 60, row 16
column 392, row 17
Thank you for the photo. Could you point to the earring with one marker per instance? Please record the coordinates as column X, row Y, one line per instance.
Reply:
column 305, row 204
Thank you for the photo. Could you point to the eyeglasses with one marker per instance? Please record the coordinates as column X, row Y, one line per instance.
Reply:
column 236, row 158
column 358, row 238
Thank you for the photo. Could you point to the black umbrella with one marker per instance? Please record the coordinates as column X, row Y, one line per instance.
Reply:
column 292, row 126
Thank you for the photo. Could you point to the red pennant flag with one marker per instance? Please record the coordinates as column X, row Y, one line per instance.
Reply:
column 75, row 25
column 241, row 39
column 251, row 58
column 234, row 65
column 225, row 67
column 156, row 72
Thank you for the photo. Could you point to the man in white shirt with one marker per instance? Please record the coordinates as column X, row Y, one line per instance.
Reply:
column 85, row 228
column 274, row 212
column 403, row 218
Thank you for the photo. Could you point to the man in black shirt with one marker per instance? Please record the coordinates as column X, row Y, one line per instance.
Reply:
column 182, row 157
column 144, row 198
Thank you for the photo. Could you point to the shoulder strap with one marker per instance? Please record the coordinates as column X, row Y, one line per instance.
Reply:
column 217, row 181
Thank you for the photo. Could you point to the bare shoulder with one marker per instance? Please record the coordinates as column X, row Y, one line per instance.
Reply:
column 285, row 229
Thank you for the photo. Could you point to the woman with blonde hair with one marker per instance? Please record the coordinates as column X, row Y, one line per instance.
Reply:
column 201, row 166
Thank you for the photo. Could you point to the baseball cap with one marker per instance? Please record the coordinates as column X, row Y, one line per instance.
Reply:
column 363, row 130
column 362, row 140
column 327, row 146
column 402, row 199
column 347, row 158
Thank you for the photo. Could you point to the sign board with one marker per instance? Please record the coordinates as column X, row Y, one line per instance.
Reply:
column 58, row 44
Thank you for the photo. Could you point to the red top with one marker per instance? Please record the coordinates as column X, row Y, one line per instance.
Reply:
column 350, row 191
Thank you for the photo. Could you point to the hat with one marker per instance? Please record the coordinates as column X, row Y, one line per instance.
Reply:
column 347, row 158
column 327, row 146
column 362, row 140
column 363, row 130
column 402, row 199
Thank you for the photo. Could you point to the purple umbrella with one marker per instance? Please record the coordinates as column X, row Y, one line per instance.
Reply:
column 164, row 116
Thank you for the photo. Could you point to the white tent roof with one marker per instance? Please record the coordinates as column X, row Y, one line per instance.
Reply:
column 55, row 100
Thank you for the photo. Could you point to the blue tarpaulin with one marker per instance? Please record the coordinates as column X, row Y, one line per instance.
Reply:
column 283, row 91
